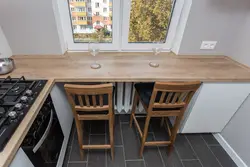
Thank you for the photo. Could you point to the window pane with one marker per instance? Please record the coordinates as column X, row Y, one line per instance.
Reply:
column 149, row 20
column 91, row 20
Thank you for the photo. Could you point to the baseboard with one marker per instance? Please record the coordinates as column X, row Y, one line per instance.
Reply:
column 235, row 157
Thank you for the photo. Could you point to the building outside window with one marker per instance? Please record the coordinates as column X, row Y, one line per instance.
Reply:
column 131, row 28
column 80, row 9
column 80, row 18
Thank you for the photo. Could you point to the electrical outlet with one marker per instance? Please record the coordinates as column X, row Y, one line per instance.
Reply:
column 208, row 45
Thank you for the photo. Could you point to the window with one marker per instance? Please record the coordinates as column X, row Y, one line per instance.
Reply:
column 83, row 27
column 136, row 25
column 80, row 18
column 80, row 9
column 79, row 0
column 73, row 18
column 89, row 1
column 96, row 5
column 72, row 9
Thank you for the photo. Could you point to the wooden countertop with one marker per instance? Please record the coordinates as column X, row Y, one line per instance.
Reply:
column 130, row 67
column 127, row 67
column 9, row 152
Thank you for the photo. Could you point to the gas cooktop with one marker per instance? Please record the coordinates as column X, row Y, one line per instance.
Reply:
column 16, row 97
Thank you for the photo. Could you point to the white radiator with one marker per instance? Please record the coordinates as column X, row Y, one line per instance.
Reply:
column 123, row 97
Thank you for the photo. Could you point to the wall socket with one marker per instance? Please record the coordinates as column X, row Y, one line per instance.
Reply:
column 208, row 45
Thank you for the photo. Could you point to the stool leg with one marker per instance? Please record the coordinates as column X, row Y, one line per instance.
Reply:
column 133, row 108
column 145, row 133
column 111, row 134
column 80, row 137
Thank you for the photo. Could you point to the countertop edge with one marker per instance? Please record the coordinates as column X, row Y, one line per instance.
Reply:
column 9, row 152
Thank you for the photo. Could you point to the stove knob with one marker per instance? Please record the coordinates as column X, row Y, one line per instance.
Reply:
column 24, row 98
column 29, row 92
column 12, row 115
column 19, row 106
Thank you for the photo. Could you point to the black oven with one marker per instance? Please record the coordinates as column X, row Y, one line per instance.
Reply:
column 44, row 140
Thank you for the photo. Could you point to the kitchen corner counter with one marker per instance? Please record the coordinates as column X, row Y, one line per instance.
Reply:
column 116, row 67
column 130, row 67
column 14, row 143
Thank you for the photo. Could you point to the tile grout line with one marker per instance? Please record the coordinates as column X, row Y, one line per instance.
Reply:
column 122, row 142
column 71, row 145
column 189, row 159
column 129, row 160
column 159, row 150
column 178, row 155
column 193, row 150
column 211, row 150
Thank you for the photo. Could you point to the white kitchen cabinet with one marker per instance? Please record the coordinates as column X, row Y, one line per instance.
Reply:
column 21, row 160
column 213, row 106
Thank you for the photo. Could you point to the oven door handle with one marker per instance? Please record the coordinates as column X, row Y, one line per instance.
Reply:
column 44, row 136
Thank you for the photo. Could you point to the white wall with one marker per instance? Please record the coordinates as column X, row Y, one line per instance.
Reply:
column 5, row 50
column 30, row 26
column 236, row 132
column 213, row 20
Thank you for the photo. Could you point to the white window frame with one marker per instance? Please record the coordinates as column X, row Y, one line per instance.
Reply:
column 68, row 29
column 120, row 29
column 126, row 46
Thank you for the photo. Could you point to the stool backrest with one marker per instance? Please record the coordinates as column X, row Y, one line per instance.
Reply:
column 171, row 95
column 90, row 98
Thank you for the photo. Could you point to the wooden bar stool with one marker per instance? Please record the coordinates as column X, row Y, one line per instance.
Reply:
column 86, row 106
column 162, row 100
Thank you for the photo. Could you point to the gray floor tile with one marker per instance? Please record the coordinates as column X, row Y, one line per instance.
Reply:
column 170, row 160
column 192, row 163
column 159, row 132
column 117, row 132
column 72, row 132
column 97, row 158
column 141, row 122
column 135, row 164
column 183, row 147
column 131, row 143
column 77, row 165
column 151, row 155
column 203, row 152
column 118, row 159
column 98, row 127
column 209, row 138
column 125, row 117
column 222, row 156
column 75, row 152
column 66, row 157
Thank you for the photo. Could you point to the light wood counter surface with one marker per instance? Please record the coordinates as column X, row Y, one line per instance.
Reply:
column 127, row 67
column 130, row 67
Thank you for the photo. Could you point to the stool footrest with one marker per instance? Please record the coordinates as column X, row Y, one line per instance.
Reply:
column 157, row 143
column 106, row 146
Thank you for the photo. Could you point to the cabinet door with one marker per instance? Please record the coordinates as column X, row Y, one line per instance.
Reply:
column 214, row 107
